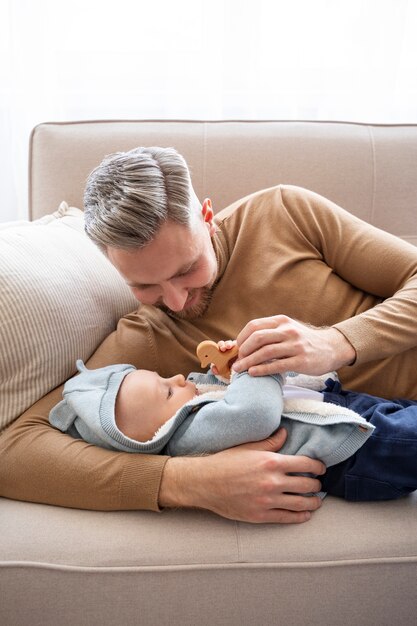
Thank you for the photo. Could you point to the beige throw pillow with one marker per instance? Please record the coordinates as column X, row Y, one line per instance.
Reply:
column 59, row 298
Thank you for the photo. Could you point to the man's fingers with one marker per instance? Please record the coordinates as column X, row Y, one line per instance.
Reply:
column 271, row 444
column 275, row 356
column 296, row 464
column 303, row 484
column 301, row 464
column 275, row 441
column 301, row 503
column 296, row 510
column 254, row 326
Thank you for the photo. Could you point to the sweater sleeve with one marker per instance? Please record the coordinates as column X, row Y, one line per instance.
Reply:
column 249, row 411
column 372, row 261
column 41, row 464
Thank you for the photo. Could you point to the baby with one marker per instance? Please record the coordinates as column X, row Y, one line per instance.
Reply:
column 368, row 444
column 122, row 408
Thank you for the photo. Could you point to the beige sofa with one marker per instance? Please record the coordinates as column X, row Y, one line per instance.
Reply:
column 352, row 563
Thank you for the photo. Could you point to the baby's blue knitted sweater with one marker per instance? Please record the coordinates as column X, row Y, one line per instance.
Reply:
column 252, row 408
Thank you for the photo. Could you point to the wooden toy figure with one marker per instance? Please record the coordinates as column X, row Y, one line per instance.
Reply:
column 209, row 352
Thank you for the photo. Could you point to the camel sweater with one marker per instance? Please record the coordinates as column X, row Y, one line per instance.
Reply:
column 283, row 250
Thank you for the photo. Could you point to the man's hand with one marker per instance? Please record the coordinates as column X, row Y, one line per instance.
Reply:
column 250, row 483
column 277, row 344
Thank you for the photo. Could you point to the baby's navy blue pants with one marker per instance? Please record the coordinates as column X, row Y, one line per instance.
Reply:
column 385, row 467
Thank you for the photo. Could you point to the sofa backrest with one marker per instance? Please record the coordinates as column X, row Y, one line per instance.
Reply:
column 371, row 170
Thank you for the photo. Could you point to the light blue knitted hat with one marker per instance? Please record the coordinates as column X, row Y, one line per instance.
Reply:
column 88, row 406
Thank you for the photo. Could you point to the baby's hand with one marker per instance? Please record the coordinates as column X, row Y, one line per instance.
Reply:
column 211, row 352
column 225, row 346
column 228, row 344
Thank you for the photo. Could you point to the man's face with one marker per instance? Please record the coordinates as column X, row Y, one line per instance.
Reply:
column 175, row 272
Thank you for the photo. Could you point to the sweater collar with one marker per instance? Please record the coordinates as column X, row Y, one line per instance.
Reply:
column 221, row 252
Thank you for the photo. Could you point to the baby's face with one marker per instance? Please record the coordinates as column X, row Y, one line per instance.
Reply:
column 146, row 401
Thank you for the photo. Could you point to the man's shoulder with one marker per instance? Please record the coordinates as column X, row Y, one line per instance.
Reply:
column 259, row 199
column 268, row 200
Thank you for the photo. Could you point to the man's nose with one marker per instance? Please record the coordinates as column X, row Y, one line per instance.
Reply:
column 174, row 297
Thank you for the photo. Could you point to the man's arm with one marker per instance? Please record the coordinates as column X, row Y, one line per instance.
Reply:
column 368, row 259
column 40, row 464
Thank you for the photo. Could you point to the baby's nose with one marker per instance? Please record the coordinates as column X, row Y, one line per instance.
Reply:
column 179, row 379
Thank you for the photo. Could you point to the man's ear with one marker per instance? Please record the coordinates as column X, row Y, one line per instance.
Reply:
column 208, row 216
column 207, row 211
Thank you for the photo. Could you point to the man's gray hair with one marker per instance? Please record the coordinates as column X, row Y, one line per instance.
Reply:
column 131, row 194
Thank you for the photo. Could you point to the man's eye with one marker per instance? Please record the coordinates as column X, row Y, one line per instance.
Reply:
column 185, row 273
column 189, row 270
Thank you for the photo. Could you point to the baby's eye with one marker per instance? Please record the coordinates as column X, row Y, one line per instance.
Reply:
column 169, row 393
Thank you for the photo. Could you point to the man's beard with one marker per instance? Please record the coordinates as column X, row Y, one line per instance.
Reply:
column 196, row 310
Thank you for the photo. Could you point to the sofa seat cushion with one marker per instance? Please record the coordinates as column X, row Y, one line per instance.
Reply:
column 354, row 559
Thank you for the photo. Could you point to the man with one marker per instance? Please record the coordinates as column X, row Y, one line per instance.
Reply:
column 300, row 283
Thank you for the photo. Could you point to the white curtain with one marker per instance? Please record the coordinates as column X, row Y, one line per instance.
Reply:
column 348, row 60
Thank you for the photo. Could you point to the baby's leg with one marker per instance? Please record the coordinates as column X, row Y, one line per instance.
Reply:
column 385, row 467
